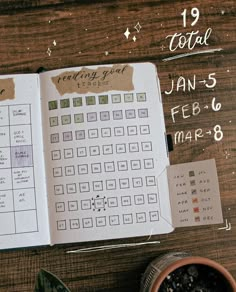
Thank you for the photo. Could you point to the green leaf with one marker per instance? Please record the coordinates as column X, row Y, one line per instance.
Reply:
column 48, row 282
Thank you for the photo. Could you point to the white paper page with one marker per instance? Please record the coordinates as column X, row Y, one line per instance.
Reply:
column 194, row 193
column 23, row 201
column 104, row 152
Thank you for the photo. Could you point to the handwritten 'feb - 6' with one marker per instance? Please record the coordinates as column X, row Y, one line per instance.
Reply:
column 189, row 40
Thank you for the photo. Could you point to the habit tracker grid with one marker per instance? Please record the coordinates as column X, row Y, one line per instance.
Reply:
column 105, row 137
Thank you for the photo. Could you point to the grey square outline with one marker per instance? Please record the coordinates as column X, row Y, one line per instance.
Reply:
column 104, row 217
column 86, row 200
column 133, row 161
column 100, row 166
column 93, row 147
column 63, row 204
column 80, row 189
column 57, row 175
column 149, row 201
column 133, row 182
column 150, row 213
column 62, row 190
column 136, row 199
column 109, row 162
column 65, row 153
column 73, row 167
column 141, row 127
column 126, row 204
column 79, row 171
column 128, row 130
column 143, row 143
column 120, row 180
column 67, row 190
column 52, row 153
column 120, row 168
column 65, row 139
column 78, row 132
column 100, row 189
column 59, row 221
column 117, row 217
column 90, row 131
column 118, row 145
column 130, row 214
column 85, row 155
column 108, row 180
column 108, row 202
column 127, row 114
column 145, row 220
column 71, row 222
column 77, row 207
column 91, row 220
column 104, row 153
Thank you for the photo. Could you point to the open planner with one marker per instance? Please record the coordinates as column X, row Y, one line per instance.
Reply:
column 83, row 157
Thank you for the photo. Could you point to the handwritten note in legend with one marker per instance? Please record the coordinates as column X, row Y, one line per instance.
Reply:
column 194, row 193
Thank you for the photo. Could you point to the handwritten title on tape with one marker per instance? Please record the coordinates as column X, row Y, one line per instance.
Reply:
column 116, row 77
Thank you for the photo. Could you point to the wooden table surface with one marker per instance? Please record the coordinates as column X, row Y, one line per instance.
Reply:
column 57, row 34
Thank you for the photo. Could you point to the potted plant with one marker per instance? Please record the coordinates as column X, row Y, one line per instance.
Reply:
column 180, row 272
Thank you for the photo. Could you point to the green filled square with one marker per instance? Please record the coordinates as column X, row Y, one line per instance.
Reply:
column 52, row 105
column 79, row 118
column 103, row 99
column 66, row 120
column 64, row 103
column 53, row 121
column 77, row 101
column 90, row 100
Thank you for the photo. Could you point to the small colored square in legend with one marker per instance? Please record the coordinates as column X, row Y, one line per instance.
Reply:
column 194, row 200
column 191, row 173
column 196, row 210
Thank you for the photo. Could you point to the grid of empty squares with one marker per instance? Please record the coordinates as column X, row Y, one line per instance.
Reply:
column 94, row 116
column 100, row 167
column 105, row 185
column 103, row 132
column 112, row 220
column 112, row 202
column 106, row 149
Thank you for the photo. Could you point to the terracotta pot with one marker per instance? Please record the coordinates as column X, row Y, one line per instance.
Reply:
column 160, row 268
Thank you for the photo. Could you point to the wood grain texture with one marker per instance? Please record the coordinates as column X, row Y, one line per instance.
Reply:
column 83, row 32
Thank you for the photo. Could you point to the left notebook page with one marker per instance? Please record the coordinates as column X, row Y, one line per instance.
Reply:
column 23, row 198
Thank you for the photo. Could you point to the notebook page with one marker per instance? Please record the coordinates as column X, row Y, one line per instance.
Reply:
column 105, row 149
column 23, row 201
